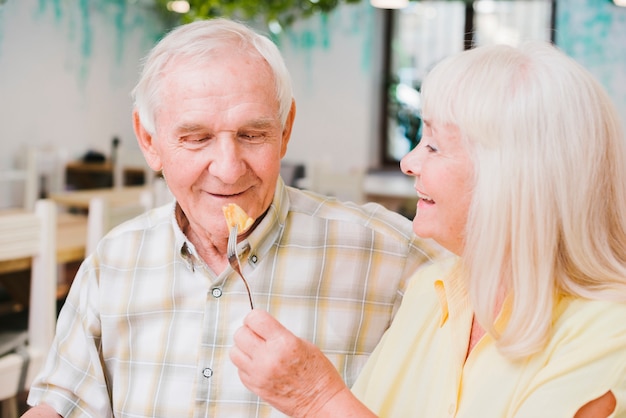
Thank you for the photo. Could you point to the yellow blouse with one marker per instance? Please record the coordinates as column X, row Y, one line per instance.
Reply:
column 419, row 368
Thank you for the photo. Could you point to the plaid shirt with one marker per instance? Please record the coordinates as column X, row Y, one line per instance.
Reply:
column 147, row 326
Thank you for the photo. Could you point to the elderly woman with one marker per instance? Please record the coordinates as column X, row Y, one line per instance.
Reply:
column 521, row 172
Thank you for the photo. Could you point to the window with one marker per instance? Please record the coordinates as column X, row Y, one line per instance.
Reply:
column 425, row 32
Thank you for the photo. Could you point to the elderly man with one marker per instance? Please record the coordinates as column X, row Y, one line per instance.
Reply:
column 148, row 323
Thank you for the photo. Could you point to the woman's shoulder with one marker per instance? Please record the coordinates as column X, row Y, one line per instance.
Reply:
column 589, row 326
column 576, row 311
column 434, row 280
column 442, row 269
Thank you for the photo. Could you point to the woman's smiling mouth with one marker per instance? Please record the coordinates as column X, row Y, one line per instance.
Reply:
column 426, row 198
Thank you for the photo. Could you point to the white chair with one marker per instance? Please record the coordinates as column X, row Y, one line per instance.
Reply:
column 51, row 164
column 126, row 157
column 20, row 185
column 161, row 194
column 105, row 212
column 345, row 185
column 22, row 235
column 292, row 173
column 38, row 171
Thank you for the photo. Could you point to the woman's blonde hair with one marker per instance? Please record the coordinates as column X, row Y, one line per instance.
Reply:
column 548, row 214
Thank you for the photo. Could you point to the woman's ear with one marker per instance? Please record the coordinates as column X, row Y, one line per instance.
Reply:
column 146, row 144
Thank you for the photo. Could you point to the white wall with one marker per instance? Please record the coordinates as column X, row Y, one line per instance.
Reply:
column 66, row 71
column 336, row 69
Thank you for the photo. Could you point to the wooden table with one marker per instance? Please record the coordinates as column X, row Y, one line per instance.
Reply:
column 71, row 237
column 71, row 240
column 79, row 199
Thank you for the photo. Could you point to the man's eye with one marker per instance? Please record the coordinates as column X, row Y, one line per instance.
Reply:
column 194, row 141
column 252, row 137
column 195, row 138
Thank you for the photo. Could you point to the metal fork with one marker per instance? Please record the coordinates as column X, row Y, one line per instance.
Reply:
column 233, row 259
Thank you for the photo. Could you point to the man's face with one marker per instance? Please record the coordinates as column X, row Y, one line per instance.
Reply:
column 219, row 138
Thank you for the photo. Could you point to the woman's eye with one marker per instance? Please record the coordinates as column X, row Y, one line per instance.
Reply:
column 426, row 142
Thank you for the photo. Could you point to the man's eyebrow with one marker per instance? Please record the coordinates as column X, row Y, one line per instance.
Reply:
column 259, row 123
column 189, row 128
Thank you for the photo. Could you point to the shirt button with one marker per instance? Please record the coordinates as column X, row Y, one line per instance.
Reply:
column 216, row 292
column 451, row 409
column 254, row 259
column 207, row 372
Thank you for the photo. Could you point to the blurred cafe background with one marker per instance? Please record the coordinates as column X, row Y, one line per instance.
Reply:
column 67, row 68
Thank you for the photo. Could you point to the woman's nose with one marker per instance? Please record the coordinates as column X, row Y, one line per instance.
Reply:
column 410, row 163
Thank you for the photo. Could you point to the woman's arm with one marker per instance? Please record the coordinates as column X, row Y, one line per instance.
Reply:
column 601, row 407
column 290, row 373
column 41, row 411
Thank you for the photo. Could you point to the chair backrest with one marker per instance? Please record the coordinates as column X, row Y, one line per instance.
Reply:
column 127, row 157
column 106, row 212
column 20, row 185
column 292, row 173
column 345, row 185
column 39, row 171
column 51, row 166
column 161, row 194
column 23, row 235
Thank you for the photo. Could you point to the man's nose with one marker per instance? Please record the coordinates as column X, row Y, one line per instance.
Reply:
column 227, row 162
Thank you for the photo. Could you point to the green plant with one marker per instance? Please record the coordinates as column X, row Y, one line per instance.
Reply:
column 271, row 12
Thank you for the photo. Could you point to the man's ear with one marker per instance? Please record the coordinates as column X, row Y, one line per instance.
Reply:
column 287, row 129
column 146, row 144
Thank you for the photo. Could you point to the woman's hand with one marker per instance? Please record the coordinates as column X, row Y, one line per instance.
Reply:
column 290, row 373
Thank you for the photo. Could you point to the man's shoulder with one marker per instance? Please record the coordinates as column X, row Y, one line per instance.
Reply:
column 369, row 215
column 388, row 225
column 157, row 220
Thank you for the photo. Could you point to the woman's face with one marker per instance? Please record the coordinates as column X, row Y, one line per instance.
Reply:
column 443, row 171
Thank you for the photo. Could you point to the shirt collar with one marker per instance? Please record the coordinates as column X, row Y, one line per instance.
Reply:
column 256, row 245
column 270, row 228
column 454, row 302
column 185, row 247
column 451, row 290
